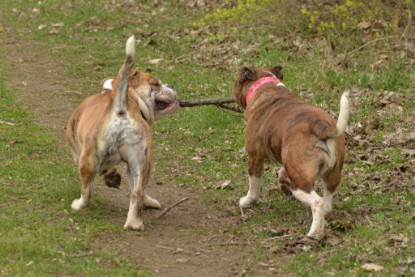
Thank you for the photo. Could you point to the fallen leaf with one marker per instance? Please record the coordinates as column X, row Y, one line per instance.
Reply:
column 154, row 61
column 364, row 25
column 42, row 26
column 54, row 32
column 223, row 185
column 372, row 267
column 59, row 24
column 197, row 159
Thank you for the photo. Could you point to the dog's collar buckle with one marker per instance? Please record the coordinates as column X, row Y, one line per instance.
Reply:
column 260, row 82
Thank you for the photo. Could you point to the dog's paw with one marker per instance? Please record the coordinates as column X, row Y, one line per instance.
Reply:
column 316, row 235
column 78, row 204
column 134, row 224
column 150, row 202
column 246, row 202
column 112, row 179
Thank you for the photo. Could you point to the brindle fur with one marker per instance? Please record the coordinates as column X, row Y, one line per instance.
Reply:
column 285, row 129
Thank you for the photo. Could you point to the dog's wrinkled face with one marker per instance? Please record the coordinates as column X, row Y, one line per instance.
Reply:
column 160, row 97
column 246, row 77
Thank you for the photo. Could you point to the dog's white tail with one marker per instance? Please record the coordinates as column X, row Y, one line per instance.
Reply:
column 343, row 114
column 122, row 84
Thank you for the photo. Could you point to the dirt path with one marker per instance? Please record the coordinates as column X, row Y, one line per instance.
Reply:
column 189, row 241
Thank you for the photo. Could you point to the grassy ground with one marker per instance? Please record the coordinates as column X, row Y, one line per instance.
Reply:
column 374, row 208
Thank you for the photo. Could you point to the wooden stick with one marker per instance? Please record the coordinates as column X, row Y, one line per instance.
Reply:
column 229, row 108
column 203, row 102
column 280, row 237
column 172, row 206
column 7, row 123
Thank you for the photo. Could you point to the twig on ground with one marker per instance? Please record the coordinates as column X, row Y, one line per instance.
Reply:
column 280, row 237
column 80, row 255
column 165, row 247
column 172, row 206
column 366, row 44
column 7, row 123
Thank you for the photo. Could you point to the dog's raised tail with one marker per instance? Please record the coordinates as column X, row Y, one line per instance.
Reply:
column 122, row 83
column 343, row 114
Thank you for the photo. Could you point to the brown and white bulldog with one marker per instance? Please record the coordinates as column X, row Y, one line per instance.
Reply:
column 115, row 126
column 305, row 140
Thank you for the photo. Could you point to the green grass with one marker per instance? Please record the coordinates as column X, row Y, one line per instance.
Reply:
column 91, row 44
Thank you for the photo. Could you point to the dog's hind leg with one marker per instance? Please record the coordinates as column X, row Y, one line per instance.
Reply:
column 139, row 168
column 315, row 202
column 302, row 177
column 87, row 170
column 136, row 178
column 255, row 170
column 284, row 182
column 330, row 183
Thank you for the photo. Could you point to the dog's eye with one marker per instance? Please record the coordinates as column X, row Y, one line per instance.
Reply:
column 156, row 86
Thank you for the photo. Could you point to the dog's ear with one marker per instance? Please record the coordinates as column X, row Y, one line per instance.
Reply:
column 276, row 70
column 249, row 73
column 134, row 78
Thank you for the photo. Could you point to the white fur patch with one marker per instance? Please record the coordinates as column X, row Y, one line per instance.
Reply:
column 108, row 84
column 315, row 202
column 327, row 200
column 133, row 222
column 343, row 118
column 130, row 46
column 78, row 204
column 253, row 193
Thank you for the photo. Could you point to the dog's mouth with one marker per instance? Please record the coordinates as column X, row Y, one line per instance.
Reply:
column 161, row 105
column 165, row 102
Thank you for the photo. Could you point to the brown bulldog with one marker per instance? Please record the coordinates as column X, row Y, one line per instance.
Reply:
column 114, row 126
column 305, row 140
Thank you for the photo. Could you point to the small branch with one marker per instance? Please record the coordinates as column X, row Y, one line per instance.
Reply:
column 172, row 206
column 80, row 255
column 279, row 237
column 229, row 108
column 366, row 44
column 215, row 101
column 165, row 247
column 7, row 123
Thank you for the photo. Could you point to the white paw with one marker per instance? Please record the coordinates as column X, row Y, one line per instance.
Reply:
column 316, row 235
column 135, row 224
column 246, row 202
column 151, row 202
column 78, row 204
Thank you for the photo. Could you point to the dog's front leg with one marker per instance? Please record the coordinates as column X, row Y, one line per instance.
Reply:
column 150, row 202
column 255, row 170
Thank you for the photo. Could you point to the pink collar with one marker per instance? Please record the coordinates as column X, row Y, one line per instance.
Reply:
column 260, row 82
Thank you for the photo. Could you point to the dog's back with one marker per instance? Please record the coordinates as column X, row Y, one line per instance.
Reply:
column 281, row 118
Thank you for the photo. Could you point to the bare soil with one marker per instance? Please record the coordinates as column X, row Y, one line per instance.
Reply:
column 190, row 240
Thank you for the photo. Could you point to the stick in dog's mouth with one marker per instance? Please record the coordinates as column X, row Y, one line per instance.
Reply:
column 162, row 105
